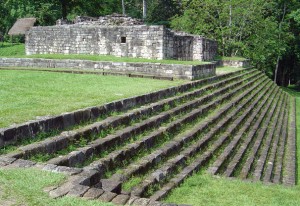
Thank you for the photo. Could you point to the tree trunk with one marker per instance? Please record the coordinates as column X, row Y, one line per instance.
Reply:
column 123, row 7
column 144, row 9
column 279, row 39
column 276, row 69
column 63, row 8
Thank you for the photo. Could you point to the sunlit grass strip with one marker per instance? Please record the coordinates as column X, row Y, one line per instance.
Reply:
column 25, row 187
column 27, row 94
column 202, row 189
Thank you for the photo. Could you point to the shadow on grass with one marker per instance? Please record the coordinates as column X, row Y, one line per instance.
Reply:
column 7, row 45
column 292, row 90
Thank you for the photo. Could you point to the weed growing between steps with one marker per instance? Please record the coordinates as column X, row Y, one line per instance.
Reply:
column 169, row 176
column 292, row 90
column 166, row 107
column 25, row 141
column 234, row 151
column 266, row 134
column 103, row 116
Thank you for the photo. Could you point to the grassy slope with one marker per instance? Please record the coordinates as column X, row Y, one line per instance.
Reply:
column 25, row 187
column 203, row 189
column 18, row 50
column 27, row 94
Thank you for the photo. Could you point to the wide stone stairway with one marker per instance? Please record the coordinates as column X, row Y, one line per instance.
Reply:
column 237, row 125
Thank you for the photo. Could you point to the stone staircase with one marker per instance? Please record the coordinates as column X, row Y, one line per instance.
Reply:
column 236, row 125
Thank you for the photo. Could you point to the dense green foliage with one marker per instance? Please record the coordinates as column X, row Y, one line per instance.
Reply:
column 267, row 32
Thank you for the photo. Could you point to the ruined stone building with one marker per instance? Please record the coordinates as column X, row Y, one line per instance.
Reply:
column 120, row 36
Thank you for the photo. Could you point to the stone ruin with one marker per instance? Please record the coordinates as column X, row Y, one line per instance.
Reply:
column 120, row 36
column 109, row 20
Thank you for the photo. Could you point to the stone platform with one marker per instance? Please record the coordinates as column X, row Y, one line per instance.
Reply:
column 190, row 72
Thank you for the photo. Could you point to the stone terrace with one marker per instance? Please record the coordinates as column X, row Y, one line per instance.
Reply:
column 137, row 150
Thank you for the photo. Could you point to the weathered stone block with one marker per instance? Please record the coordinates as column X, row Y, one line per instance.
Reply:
column 93, row 193
column 120, row 199
column 111, row 185
column 78, row 191
column 141, row 201
column 107, row 196
column 68, row 170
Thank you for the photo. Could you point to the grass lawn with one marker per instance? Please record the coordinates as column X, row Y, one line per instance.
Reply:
column 18, row 50
column 10, row 49
column 25, row 187
column 204, row 189
column 27, row 94
column 225, row 70
column 235, row 58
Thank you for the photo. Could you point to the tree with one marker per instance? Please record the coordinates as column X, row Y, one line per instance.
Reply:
column 256, row 29
column 144, row 9
column 160, row 11
column 123, row 7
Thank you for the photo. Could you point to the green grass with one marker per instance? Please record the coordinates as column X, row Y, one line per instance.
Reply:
column 25, row 187
column 27, row 94
column 18, row 50
column 234, row 58
column 203, row 189
column 225, row 70
column 133, row 181
column 10, row 49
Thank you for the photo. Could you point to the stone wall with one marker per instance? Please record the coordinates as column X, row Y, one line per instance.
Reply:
column 135, row 41
column 151, row 42
column 190, row 72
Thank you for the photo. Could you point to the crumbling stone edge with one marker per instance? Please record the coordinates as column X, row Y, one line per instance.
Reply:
column 81, row 183
column 178, row 71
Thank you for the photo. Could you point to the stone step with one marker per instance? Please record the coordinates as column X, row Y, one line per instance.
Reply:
column 123, row 135
column 214, row 168
column 28, row 130
column 194, row 149
column 262, row 155
column 271, row 159
column 168, row 149
column 203, row 158
column 289, row 174
column 254, row 149
column 265, row 148
column 150, row 139
column 235, row 160
column 62, row 141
